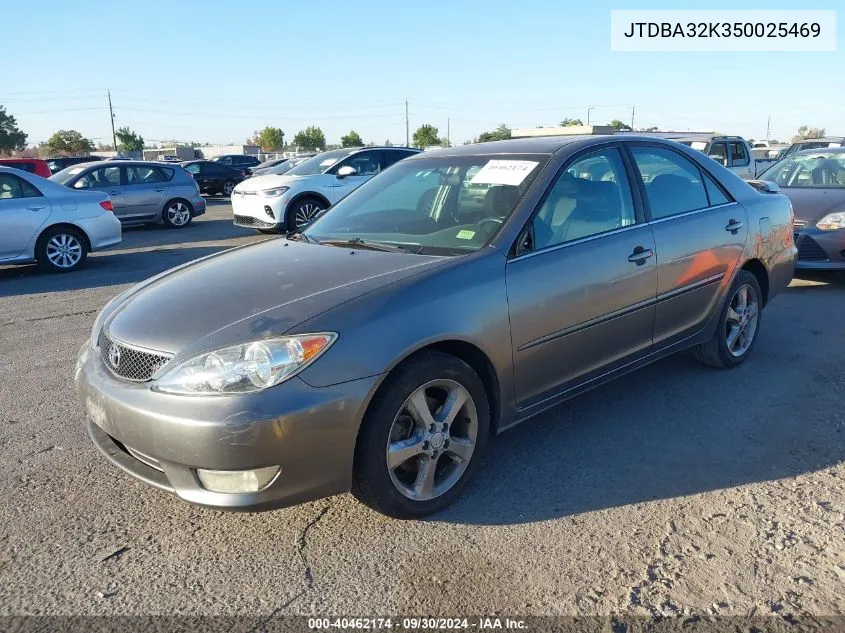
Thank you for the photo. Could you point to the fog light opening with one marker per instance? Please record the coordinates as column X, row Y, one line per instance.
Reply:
column 235, row 481
column 269, row 211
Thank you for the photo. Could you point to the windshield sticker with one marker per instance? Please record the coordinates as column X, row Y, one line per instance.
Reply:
column 699, row 145
column 328, row 161
column 76, row 171
column 467, row 235
column 503, row 172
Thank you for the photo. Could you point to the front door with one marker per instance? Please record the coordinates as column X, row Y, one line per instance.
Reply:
column 699, row 232
column 23, row 211
column 107, row 180
column 582, row 284
column 366, row 164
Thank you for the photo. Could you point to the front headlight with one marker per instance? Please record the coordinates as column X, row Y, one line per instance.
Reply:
column 832, row 221
column 273, row 193
column 245, row 368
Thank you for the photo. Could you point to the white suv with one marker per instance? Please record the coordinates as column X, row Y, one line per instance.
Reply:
column 283, row 203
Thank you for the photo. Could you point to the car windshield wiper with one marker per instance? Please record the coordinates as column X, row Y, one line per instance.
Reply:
column 305, row 238
column 357, row 242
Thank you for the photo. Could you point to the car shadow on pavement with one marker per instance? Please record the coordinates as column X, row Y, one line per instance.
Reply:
column 199, row 230
column 670, row 430
column 112, row 269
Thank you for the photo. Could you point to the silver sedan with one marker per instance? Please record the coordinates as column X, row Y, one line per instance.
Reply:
column 44, row 222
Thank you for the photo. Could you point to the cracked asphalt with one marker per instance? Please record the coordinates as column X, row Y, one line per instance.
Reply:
column 675, row 490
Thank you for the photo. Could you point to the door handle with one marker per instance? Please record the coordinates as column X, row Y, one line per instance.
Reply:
column 114, row 193
column 36, row 207
column 159, row 190
column 733, row 226
column 639, row 255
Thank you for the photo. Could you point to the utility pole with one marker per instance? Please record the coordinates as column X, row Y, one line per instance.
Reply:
column 407, row 129
column 632, row 118
column 111, row 116
column 589, row 108
column 768, row 128
column 448, row 132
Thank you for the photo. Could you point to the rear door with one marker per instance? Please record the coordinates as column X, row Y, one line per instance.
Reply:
column 23, row 211
column 107, row 179
column 582, row 283
column 699, row 234
column 366, row 164
column 145, row 191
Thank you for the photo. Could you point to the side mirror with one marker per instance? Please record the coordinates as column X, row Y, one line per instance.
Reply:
column 764, row 186
column 80, row 184
column 346, row 170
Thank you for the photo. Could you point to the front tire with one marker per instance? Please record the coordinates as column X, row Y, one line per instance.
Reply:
column 177, row 214
column 302, row 211
column 422, row 437
column 738, row 327
column 61, row 250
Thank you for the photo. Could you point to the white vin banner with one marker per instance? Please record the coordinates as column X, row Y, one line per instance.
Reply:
column 712, row 31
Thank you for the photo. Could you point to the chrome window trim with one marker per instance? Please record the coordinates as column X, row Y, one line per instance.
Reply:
column 580, row 240
column 688, row 213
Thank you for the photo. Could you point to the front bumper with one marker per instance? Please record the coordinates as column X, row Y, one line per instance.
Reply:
column 251, row 211
column 820, row 250
column 162, row 439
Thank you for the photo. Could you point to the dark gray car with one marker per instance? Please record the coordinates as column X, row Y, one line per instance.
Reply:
column 814, row 180
column 456, row 294
column 141, row 192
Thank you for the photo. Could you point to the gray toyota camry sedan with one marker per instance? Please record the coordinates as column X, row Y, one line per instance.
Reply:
column 458, row 293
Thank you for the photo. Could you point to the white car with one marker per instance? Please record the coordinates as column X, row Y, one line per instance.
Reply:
column 283, row 203
column 45, row 222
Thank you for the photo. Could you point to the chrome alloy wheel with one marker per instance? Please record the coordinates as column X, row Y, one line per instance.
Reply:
column 741, row 325
column 64, row 250
column 178, row 213
column 305, row 213
column 228, row 188
column 432, row 440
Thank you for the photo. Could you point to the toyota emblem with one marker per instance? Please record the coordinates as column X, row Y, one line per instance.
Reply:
column 114, row 356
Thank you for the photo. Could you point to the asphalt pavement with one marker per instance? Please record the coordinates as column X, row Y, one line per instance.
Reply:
column 675, row 490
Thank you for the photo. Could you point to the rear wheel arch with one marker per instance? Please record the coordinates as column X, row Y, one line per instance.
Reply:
column 63, row 225
column 759, row 270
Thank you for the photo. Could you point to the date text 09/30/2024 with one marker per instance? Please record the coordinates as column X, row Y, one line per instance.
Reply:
column 416, row 624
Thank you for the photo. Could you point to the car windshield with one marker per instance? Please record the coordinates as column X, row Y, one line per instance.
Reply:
column 268, row 163
column 65, row 175
column 824, row 169
column 321, row 162
column 449, row 205
column 285, row 167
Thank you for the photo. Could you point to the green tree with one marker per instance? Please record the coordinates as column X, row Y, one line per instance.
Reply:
column 353, row 139
column 129, row 141
column 426, row 135
column 311, row 138
column 501, row 133
column 808, row 132
column 69, row 142
column 571, row 122
column 270, row 139
column 11, row 137
column 619, row 126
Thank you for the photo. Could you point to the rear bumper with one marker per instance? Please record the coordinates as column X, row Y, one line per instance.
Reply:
column 199, row 205
column 163, row 439
column 102, row 230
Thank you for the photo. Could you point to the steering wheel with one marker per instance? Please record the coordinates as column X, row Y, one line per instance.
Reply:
column 480, row 223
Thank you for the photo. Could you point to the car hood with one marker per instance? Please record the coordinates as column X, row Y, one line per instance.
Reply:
column 269, row 181
column 252, row 292
column 810, row 205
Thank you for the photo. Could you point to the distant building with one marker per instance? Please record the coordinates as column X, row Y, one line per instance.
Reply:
column 213, row 151
column 183, row 152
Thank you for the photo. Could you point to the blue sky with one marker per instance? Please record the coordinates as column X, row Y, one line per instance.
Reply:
column 215, row 71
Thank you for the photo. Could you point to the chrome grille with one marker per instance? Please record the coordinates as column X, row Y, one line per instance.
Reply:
column 245, row 220
column 131, row 363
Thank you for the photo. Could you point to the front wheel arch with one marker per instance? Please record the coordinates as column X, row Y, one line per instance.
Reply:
column 299, row 198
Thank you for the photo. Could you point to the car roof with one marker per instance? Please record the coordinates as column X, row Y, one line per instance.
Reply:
column 823, row 139
column 532, row 145
column 21, row 159
column 821, row 150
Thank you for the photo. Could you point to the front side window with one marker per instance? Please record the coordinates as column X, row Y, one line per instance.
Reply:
column 448, row 205
column 816, row 170
column 673, row 183
column 591, row 196
column 739, row 157
column 364, row 164
column 99, row 178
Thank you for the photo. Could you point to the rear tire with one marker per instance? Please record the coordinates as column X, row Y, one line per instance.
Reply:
column 303, row 210
column 448, row 446
column 177, row 214
column 227, row 189
column 61, row 250
column 739, row 325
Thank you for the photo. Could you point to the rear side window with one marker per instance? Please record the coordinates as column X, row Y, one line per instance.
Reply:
column 139, row 175
column 12, row 187
column 714, row 193
column 24, row 166
column 193, row 168
column 673, row 183
column 390, row 156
